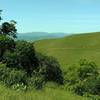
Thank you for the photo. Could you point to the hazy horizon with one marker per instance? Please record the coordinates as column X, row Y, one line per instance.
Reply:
column 53, row 16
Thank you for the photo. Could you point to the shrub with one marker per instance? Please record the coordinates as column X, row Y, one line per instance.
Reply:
column 11, row 76
column 50, row 68
column 6, row 43
column 71, row 76
column 11, row 59
column 15, row 77
column 4, row 72
column 23, row 57
column 37, row 81
column 88, row 69
column 83, row 78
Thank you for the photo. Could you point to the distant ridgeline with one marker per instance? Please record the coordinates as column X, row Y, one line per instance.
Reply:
column 33, row 36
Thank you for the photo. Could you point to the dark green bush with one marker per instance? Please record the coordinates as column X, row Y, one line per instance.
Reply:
column 50, row 68
column 11, row 60
column 6, row 43
column 23, row 57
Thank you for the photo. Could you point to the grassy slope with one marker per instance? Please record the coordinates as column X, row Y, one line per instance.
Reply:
column 46, row 94
column 71, row 49
column 67, row 50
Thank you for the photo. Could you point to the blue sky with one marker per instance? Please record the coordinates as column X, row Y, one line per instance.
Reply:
column 69, row 16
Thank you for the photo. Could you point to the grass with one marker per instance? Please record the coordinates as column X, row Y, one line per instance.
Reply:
column 67, row 50
column 71, row 49
column 45, row 94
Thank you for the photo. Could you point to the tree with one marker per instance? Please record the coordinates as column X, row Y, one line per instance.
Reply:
column 6, row 43
column 8, row 28
column 7, row 33
column 23, row 57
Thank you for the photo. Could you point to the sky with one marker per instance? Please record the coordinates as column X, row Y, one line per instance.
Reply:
column 68, row 16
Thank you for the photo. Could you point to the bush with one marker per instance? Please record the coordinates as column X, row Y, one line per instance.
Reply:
column 15, row 77
column 88, row 69
column 37, row 81
column 23, row 57
column 11, row 60
column 83, row 78
column 6, row 43
column 50, row 69
column 71, row 76
column 11, row 76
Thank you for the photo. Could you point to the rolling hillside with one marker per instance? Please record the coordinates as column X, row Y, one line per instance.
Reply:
column 71, row 49
column 67, row 50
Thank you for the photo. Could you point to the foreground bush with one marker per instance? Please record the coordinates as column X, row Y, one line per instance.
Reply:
column 14, row 73
column 83, row 78
column 11, row 76
column 49, row 68
column 36, row 81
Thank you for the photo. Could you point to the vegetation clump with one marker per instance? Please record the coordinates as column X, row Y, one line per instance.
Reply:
column 83, row 78
column 20, row 65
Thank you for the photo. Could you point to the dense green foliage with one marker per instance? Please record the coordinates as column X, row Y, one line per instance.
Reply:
column 23, row 57
column 6, row 43
column 50, row 68
column 11, row 76
column 21, row 66
column 83, row 78
column 37, row 68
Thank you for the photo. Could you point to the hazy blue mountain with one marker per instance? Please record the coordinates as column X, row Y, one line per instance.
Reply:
column 33, row 36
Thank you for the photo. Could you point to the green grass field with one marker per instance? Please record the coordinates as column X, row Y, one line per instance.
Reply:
column 67, row 50
column 45, row 94
column 71, row 49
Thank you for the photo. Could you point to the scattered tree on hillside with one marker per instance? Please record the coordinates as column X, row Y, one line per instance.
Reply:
column 7, row 33
column 8, row 28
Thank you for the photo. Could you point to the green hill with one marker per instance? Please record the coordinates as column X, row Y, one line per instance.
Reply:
column 71, row 49
column 67, row 50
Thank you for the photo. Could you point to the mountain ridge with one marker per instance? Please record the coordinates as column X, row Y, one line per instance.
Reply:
column 33, row 36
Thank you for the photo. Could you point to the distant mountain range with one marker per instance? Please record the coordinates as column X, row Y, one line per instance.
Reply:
column 33, row 36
